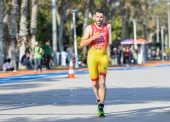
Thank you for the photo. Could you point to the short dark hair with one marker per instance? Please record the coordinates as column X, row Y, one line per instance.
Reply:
column 99, row 11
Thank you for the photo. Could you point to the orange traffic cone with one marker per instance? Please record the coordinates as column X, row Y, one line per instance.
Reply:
column 70, row 69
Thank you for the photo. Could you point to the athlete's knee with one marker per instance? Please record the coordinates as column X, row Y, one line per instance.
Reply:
column 102, row 83
column 102, row 80
column 95, row 83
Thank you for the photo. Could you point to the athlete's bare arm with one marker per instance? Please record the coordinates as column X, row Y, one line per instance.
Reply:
column 87, row 38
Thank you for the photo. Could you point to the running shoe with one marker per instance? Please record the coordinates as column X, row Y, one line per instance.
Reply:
column 100, row 111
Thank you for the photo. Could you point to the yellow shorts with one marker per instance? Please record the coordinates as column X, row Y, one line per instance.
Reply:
column 97, row 65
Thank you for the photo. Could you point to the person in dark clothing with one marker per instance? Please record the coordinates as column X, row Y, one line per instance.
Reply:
column 47, row 55
column 25, row 61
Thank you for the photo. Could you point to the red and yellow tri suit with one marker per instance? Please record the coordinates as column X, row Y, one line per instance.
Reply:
column 97, row 56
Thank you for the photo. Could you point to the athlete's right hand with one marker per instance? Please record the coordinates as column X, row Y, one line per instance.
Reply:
column 96, row 35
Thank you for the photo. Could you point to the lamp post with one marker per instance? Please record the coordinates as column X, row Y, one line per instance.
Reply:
column 1, row 35
column 75, row 40
column 54, row 31
column 110, row 42
column 157, row 29
column 168, row 43
column 162, row 42
column 135, row 34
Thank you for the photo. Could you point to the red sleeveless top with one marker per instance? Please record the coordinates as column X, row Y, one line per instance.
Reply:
column 102, row 42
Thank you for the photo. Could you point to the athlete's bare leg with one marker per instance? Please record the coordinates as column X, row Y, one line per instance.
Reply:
column 102, row 88
column 96, row 89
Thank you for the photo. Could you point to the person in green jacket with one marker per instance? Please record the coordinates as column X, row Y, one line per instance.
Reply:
column 47, row 55
column 37, row 57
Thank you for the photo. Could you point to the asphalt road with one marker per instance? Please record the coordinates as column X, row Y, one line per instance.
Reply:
column 135, row 94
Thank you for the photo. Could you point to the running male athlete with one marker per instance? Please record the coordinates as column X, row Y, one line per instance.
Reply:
column 96, row 36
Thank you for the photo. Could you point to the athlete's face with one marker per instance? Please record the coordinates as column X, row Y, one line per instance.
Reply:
column 99, row 18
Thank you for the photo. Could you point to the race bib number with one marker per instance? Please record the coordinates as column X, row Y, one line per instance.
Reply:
column 99, row 42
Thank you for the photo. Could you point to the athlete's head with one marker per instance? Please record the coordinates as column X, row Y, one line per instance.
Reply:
column 99, row 17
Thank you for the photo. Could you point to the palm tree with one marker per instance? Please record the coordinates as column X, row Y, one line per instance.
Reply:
column 34, row 14
column 126, row 12
column 86, row 15
column 1, row 32
column 62, row 7
column 13, row 27
column 23, row 32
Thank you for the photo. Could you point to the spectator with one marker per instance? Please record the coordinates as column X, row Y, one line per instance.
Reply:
column 135, row 57
column 64, row 56
column 47, row 55
column 69, row 51
column 132, row 51
column 7, row 66
column 120, row 55
column 25, row 61
column 38, row 52
column 126, row 56
column 115, row 52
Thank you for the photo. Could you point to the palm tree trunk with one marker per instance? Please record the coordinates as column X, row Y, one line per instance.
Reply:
column 34, row 15
column 123, row 28
column 13, row 27
column 23, row 32
column 86, row 15
column 1, row 33
column 145, row 31
column 61, row 16
column 61, row 34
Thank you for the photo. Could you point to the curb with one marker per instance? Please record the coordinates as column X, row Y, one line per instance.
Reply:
column 6, row 74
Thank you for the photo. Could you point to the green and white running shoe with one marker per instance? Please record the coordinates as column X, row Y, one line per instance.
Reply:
column 100, row 111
